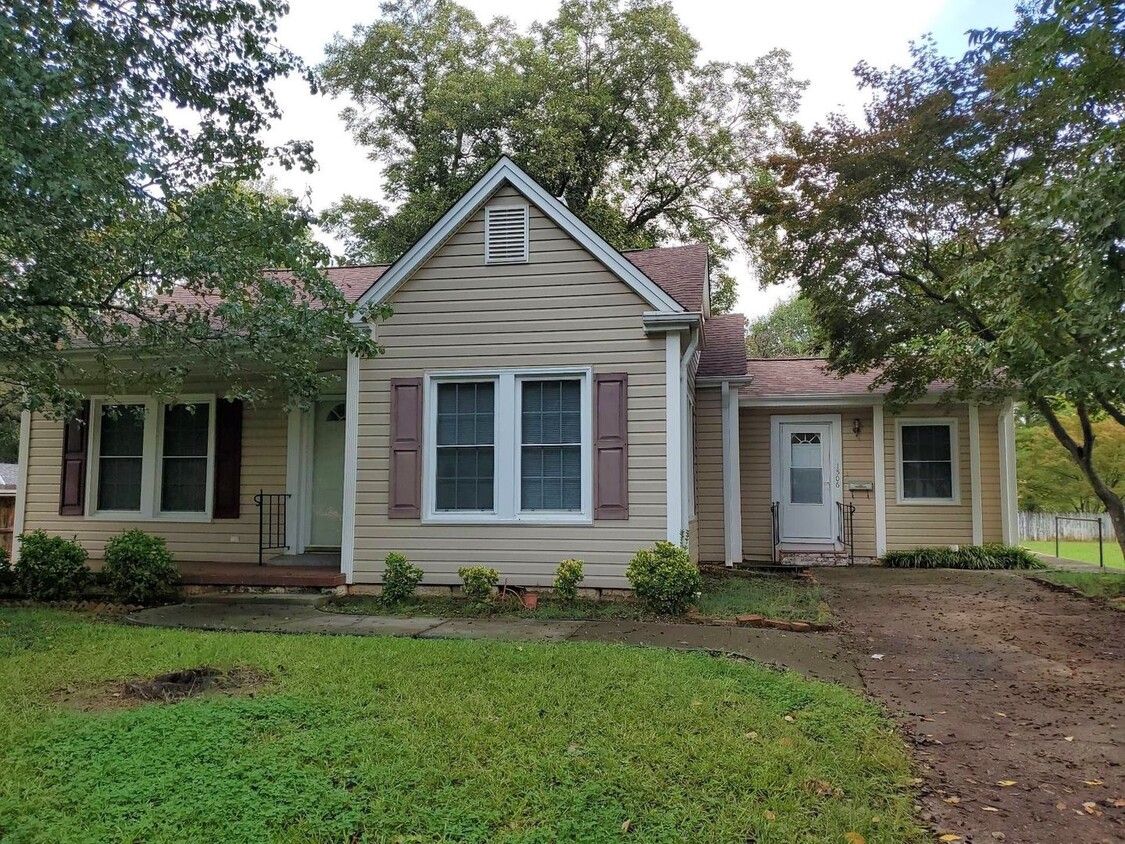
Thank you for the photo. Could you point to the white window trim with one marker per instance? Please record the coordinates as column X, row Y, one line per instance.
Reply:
column 506, row 447
column 500, row 206
column 151, row 460
column 955, row 461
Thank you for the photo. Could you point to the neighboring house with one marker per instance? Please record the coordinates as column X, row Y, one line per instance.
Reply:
column 542, row 397
column 9, row 481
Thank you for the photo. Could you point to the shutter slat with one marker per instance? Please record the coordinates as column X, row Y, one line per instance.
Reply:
column 404, row 500
column 228, row 460
column 611, row 445
column 72, row 484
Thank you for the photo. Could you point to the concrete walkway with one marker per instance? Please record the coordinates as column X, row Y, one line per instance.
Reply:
column 815, row 655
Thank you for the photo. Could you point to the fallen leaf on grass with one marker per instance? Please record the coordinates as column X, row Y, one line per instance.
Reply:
column 751, row 735
column 626, row 826
column 823, row 789
column 1061, row 807
column 1006, row 783
column 770, row 816
column 790, row 719
column 854, row 838
column 949, row 836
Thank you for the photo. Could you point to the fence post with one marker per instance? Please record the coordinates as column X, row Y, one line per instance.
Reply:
column 1056, row 537
column 1101, row 546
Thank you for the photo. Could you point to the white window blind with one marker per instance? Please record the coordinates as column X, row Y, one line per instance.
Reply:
column 506, row 234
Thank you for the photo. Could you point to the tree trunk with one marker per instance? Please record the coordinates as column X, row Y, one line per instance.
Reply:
column 1083, row 454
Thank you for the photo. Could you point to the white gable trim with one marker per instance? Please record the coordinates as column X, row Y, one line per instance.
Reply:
column 506, row 171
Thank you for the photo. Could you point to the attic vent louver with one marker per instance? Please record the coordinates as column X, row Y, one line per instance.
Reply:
column 506, row 234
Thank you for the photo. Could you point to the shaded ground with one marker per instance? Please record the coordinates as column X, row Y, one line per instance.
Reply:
column 996, row 679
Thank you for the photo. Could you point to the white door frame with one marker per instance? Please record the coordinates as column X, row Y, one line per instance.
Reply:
column 308, row 445
column 299, row 474
column 835, row 468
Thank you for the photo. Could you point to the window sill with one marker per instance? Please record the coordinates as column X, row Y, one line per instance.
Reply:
column 929, row 502
column 523, row 519
column 137, row 516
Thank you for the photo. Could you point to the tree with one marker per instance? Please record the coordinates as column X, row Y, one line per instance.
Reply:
column 787, row 330
column 973, row 228
column 608, row 106
column 132, row 248
column 1050, row 481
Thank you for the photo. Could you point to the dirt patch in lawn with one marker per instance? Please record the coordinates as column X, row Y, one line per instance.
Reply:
column 1012, row 695
column 171, row 687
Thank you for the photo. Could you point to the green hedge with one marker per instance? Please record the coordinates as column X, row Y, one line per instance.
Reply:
column 979, row 557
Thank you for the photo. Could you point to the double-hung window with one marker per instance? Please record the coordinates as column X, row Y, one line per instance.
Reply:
column 927, row 454
column 152, row 459
column 509, row 446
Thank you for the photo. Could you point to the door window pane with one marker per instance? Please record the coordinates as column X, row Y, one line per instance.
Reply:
column 465, row 448
column 183, row 471
column 120, row 455
column 927, row 461
column 551, row 445
column 806, row 469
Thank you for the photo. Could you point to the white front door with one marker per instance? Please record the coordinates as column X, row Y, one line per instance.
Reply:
column 804, row 472
column 327, row 505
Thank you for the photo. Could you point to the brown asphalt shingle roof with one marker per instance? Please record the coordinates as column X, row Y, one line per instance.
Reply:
column 779, row 377
column 724, row 348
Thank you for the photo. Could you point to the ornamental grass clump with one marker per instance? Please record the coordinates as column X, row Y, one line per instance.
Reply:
column 969, row 557
column 665, row 579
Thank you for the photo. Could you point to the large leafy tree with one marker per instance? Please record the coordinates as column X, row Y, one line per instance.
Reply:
column 1050, row 480
column 608, row 105
column 131, row 248
column 972, row 228
column 786, row 330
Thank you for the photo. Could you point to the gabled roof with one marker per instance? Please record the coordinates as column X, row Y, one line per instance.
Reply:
column 506, row 171
column 780, row 377
column 680, row 270
column 724, row 347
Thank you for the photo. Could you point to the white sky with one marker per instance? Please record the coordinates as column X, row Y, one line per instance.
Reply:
column 825, row 37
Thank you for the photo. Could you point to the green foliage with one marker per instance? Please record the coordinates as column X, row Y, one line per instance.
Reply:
column 665, row 578
column 978, row 557
column 348, row 723
column 477, row 582
column 971, row 229
column 9, row 432
column 788, row 330
column 4, row 560
column 132, row 137
column 608, row 105
column 567, row 577
column 400, row 578
column 1048, row 478
column 139, row 569
column 51, row 568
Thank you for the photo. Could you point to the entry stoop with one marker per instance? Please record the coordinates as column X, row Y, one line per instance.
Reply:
column 797, row 558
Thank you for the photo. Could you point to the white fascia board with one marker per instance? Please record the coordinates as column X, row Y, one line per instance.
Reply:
column 720, row 380
column 658, row 322
column 505, row 170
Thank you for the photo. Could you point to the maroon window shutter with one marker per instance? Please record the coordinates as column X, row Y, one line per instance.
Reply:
column 72, row 486
column 405, row 498
column 611, row 446
column 228, row 459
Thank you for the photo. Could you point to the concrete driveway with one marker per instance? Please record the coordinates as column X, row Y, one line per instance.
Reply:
column 1012, row 695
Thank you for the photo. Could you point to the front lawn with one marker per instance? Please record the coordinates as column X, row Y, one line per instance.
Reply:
column 724, row 597
column 1093, row 584
column 379, row 739
column 1085, row 552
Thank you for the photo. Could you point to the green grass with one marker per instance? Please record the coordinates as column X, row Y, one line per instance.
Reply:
column 1093, row 584
column 1085, row 552
column 774, row 596
column 384, row 740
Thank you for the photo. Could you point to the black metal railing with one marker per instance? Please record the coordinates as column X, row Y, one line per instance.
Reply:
column 775, row 518
column 271, row 521
column 845, row 518
column 1101, row 535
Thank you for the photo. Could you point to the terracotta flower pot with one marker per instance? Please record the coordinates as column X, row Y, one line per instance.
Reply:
column 531, row 600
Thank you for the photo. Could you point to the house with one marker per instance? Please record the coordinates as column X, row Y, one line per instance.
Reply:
column 542, row 397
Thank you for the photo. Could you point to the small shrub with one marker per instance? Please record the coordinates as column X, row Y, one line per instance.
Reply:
column 478, row 582
column 4, row 561
column 665, row 578
column 567, row 577
column 139, row 568
column 400, row 579
column 973, row 557
column 51, row 568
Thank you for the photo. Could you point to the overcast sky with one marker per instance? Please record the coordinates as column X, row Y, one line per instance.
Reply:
column 825, row 37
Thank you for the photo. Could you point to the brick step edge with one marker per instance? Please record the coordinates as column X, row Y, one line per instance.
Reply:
column 750, row 620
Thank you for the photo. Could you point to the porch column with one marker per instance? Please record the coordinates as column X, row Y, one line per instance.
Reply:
column 879, row 450
column 351, row 469
column 1008, row 499
column 974, row 473
column 732, row 485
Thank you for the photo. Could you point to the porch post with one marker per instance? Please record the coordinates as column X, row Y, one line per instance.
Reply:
column 879, row 449
column 1008, row 499
column 20, row 515
column 974, row 473
column 732, row 486
column 351, row 469
column 674, row 441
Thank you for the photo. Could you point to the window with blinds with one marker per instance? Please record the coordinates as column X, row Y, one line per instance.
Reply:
column 927, row 462
column 506, row 234
column 465, row 446
column 551, row 445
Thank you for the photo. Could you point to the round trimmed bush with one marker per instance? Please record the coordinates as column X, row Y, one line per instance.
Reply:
column 139, row 568
column 665, row 578
column 51, row 568
column 400, row 579
column 567, row 577
column 477, row 582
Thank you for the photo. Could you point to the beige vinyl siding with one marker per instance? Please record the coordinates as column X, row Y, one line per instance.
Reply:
column 264, row 430
column 563, row 308
column 709, row 474
column 857, row 464
column 913, row 525
column 990, row 478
